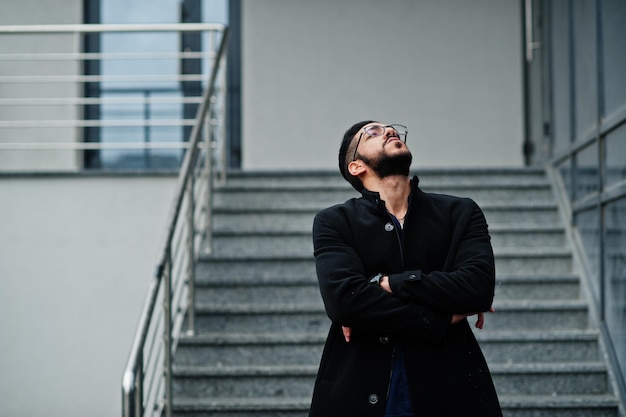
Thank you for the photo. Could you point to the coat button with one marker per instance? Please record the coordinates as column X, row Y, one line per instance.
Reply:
column 384, row 339
column 373, row 399
column 389, row 227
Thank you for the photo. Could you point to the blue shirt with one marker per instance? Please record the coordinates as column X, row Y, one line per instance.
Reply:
column 399, row 400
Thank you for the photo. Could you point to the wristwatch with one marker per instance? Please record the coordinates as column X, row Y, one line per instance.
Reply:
column 376, row 279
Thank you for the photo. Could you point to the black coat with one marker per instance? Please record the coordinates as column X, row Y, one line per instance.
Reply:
column 446, row 266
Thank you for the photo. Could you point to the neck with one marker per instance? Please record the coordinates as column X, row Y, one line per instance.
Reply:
column 394, row 190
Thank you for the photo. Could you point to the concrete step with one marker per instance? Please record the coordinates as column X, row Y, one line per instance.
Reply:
column 282, row 198
column 505, row 236
column 544, row 346
column 279, row 317
column 512, row 406
column 277, row 242
column 509, row 262
column 296, row 348
column 517, row 315
column 550, row 379
column 257, row 319
column 531, row 213
column 223, row 291
column 428, row 177
column 288, row 381
column 281, row 382
column 537, row 287
column 284, row 293
column 253, row 219
column 581, row 405
column 231, row 349
column 241, row 407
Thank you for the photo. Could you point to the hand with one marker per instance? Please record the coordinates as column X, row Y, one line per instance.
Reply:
column 347, row 333
column 480, row 321
column 384, row 284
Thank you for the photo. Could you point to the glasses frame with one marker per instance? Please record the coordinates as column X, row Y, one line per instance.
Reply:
column 385, row 127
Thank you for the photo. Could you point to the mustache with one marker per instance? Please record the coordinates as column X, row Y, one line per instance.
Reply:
column 389, row 138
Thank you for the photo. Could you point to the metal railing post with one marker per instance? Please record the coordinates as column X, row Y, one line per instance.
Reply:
column 132, row 390
column 191, row 269
column 146, row 129
column 129, row 396
column 139, row 386
column 208, row 168
column 167, row 334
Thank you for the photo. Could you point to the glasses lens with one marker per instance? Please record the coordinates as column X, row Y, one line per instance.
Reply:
column 400, row 131
column 375, row 130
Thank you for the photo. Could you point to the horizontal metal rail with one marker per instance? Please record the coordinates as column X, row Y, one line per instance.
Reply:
column 96, row 123
column 87, row 56
column 80, row 146
column 99, row 100
column 52, row 79
column 102, row 28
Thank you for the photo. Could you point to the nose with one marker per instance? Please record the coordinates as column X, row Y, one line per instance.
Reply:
column 391, row 132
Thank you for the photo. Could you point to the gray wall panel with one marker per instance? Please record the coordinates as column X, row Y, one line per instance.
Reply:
column 450, row 70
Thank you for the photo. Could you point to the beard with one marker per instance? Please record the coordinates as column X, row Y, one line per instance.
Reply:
column 388, row 165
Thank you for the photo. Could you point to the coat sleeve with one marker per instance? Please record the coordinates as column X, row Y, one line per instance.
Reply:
column 467, row 282
column 351, row 301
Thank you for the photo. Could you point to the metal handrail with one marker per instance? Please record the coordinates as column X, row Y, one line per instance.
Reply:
column 195, row 176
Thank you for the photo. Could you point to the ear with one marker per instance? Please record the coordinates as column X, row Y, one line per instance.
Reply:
column 355, row 168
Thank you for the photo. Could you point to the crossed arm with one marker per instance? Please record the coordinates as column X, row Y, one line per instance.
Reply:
column 456, row 318
column 424, row 304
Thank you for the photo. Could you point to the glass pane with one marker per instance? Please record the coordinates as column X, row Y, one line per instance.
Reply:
column 616, row 156
column 588, row 225
column 615, row 278
column 144, row 99
column 139, row 11
column 587, row 172
column 560, row 74
column 565, row 169
column 215, row 11
column 586, row 63
column 614, row 45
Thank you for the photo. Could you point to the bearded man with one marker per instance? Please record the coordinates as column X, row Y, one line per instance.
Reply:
column 400, row 271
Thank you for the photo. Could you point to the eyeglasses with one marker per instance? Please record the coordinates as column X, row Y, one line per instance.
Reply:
column 377, row 130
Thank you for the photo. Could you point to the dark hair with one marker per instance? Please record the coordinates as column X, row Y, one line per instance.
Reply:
column 346, row 150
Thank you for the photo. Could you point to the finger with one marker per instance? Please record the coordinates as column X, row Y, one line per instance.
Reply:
column 480, row 321
column 347, row 332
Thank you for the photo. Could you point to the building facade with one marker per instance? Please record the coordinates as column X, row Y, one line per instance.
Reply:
column 481, row 83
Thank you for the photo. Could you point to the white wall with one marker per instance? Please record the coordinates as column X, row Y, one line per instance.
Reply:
column 448, row 69
column 76, row 257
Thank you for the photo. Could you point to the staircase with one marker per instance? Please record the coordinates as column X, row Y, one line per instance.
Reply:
column 261, row 324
